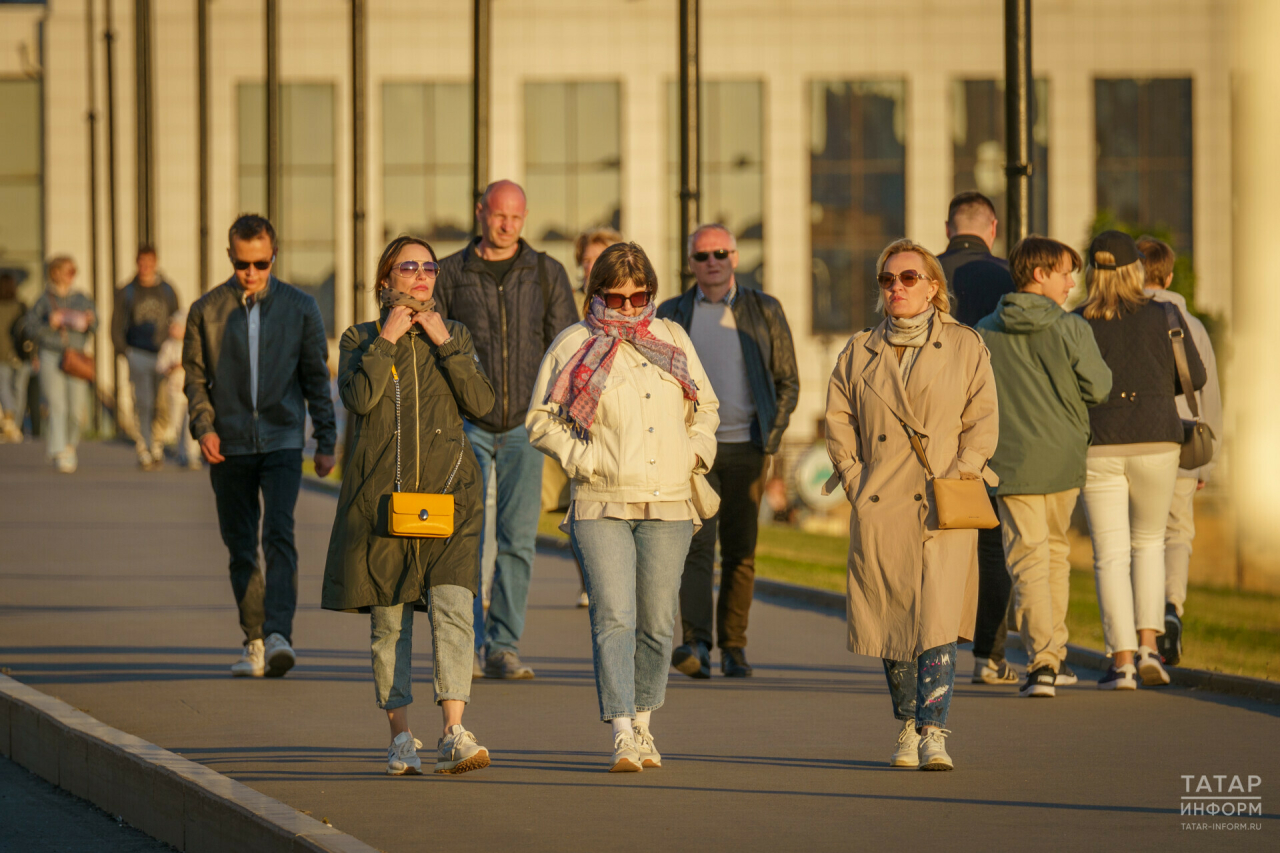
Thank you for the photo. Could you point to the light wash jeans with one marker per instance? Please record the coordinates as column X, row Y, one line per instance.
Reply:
column 1127, row 500
column 148, row 409
column 391, row 642
column 518, row 466
column 633, row 571
column 921, row 689
column 13, row 390
column 68, row 401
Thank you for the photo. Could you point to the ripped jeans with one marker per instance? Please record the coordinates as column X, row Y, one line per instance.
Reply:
column 921, row 688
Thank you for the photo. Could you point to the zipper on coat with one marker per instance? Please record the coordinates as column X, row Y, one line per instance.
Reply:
column 506, row 369
column 417, row 412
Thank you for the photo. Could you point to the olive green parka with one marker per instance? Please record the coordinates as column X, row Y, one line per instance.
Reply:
column 366, row 565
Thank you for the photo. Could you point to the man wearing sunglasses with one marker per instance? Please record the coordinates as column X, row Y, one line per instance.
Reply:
column 255, row 355
column 515, row 301
column 744, row 342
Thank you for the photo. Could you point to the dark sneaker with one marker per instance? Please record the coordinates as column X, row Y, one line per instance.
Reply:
column 692, row 659
column 1039, row 683
column 733, row 663
column 506, row 664
column 1066, row 676
column 1169, row 644
column 1119, row 678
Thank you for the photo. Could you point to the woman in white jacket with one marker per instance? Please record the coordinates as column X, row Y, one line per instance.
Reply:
column 622, row 402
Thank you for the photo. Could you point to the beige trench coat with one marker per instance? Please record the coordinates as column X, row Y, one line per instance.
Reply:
column 911, row 586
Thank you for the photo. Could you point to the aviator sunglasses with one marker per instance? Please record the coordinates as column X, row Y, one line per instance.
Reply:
column 615, row 301
column 261, row 265
column 908, row 278
column 409, row 269
column 701, row 257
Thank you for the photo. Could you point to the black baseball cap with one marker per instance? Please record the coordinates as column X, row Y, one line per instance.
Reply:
column 1121, row 246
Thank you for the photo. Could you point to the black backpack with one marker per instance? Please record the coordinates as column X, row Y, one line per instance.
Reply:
column 24, row 342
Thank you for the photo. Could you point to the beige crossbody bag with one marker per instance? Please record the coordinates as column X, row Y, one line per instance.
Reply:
column 962, row 504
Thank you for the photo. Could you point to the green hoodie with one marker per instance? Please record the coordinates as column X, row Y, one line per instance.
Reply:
column 1048, row 372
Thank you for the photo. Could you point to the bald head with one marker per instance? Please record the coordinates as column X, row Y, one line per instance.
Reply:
column 500, row 212
column 503, row 192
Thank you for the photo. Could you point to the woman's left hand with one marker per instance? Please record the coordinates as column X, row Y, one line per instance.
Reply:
column 433, row 325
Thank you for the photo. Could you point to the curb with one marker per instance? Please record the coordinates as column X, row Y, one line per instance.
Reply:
column 1199, row 679
column 184, row 804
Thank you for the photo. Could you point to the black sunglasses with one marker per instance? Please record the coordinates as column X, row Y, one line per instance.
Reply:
column 409, row 269
column 701, row 257
column 615, row 301
column 262, row 265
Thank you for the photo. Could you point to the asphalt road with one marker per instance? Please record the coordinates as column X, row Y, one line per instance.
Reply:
column 114, row 597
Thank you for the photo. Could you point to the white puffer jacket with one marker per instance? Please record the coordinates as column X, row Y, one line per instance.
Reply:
column 645, row 437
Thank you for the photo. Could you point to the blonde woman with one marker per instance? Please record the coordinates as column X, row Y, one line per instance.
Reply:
column 912, row 587
column 1132, row 464
column 622, row 402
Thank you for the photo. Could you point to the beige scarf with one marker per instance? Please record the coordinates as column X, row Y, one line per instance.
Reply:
column 909, row 333
column 389, row 297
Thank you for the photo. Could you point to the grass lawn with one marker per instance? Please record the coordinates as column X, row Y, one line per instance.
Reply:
column 1223, row 630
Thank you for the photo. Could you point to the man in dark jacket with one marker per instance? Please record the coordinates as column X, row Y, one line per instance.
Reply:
column 515, row 301
column 745, row 345
column 978, row 279
column 255, row 358
column 139, row 325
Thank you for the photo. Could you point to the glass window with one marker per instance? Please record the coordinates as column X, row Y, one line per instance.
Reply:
column 978, row 145
column 732, row 135
column 857, row 187
column 21, row 186
column 573, row 163
column 426, row 163
column 1144, row 154
column 306, row 225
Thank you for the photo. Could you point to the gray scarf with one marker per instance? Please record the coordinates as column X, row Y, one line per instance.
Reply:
column 911, row 333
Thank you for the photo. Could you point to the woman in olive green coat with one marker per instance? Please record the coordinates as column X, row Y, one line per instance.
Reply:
column 413, row 361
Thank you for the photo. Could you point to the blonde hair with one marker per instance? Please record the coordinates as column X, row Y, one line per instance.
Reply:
column 1110, row 291
column 596, row 236
column 941, row 299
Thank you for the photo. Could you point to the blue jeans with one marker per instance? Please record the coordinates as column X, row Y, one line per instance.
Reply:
column 632, row 570
column 922, row 688
column 519, row 474
column 13, row 390
column 146, row 395
column 68, row 400
column 391, row 643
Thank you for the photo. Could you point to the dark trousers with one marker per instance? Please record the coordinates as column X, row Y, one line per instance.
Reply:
column 994, row 588
column 736, row 478
column 265, row 607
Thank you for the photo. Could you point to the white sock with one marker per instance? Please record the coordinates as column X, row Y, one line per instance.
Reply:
column 621, row 724
column 642, row 718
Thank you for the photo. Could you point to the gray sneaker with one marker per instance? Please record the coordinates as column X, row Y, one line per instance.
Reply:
column 626, row 758
column 649, row 756
column 279, row 656
column 986, row 672
column 402, row 756
column 250, row 664
column 904, row 752
column 933, row 751
column 506, row 664
column 459, row 752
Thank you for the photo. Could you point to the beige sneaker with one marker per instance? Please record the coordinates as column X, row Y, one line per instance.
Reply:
column 1150, row 669
column 626, row 758
column 402, row 756
column 986, row 673
column 932, row 751
column 66, row 462
column 904, row 753
column 649, row 755
column 251, row 664
column 506, row 664
column 279, row 656
column 459, row 752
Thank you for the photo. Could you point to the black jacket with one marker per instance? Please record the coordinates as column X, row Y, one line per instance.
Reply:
column 140, row 319
column 1144, row 377
column 977, row 278
column 293, row 374
column 510, row 322
column 769, row 355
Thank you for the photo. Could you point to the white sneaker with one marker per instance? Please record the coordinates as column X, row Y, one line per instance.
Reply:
column 649, row 756
column 933, row 751
column 1119, row 678
column 1001, row 673
column 584, row 600
column 65, row 462
column 904, row 753
column 626, row 758
column 459, row 752
column 1150, row 669
column 250, row 664
column 402, row 756
column 279, row 656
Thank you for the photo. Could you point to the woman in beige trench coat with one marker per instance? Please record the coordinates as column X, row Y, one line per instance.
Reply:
column 912, row 588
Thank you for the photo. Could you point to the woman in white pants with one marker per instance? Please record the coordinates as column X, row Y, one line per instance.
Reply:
column 1133, row 460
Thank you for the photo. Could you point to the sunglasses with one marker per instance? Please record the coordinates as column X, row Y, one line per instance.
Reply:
column 409, row 269
column 907, row 277
column 261, row 265
column 615, row 301
column 701, row 257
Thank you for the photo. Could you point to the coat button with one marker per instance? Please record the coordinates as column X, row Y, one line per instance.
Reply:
column 650, row 429
column 645, row 364
column 647, row 396
column 881, row 438
column 918, row 497
column 875, row 499
column 937, row 344
column 653, row 461
column 655, row 493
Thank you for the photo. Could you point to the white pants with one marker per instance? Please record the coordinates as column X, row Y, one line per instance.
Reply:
column 1127, row 499
column 1178, row 537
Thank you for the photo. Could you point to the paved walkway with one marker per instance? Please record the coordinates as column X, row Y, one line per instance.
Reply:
column 114, row 597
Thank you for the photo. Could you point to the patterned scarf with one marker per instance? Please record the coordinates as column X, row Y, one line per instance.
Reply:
column 389, row 297
column 578, row 387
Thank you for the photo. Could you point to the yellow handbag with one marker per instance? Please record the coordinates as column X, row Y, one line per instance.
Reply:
column 962, row 504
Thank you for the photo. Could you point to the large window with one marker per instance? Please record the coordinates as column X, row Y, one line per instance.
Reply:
column 21, row 183
column 426, row 163
column 978, row 148
column 857, row 188
column 732, row 135
column 307, row 221
column 1144, row 154
column 573, row 163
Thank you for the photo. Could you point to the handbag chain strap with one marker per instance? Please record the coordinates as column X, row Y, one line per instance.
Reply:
column 1178, row 336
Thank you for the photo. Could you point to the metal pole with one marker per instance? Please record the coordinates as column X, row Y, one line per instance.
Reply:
column 202, row 85
column 94, row 265
column 145, row 120
column 481, row 48
column 1017, row 116
column 117, row 376
column 690, row 151
column 358, row 171
column 273, row 113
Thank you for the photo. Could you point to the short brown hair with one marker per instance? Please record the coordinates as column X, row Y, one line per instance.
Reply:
column 968, row 205
column 621, row 262
column 389, row 255
column 602, row 236
column 251, row 226
column 1158, row 258
column 941, row 300
column 1035, row 252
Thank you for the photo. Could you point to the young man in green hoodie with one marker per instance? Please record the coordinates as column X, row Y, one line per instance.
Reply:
column 1048, row 372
